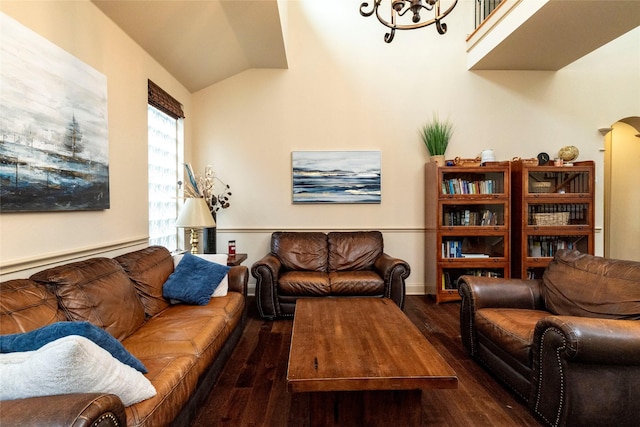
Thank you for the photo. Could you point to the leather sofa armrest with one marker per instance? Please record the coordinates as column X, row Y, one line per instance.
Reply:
column 590, row 340
column 487, row 292
column 266, row 271
column 393, row 271
column 239, row 279
column 77, row 410
column 586, row 371
column 272, row 265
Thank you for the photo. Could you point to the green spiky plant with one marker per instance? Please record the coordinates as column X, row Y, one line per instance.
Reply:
column 436, row 135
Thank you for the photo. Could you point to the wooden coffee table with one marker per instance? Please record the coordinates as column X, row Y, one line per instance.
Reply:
column 362, row 362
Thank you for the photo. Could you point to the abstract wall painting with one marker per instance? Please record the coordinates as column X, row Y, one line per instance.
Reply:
column 336, row 176
column 54, row 147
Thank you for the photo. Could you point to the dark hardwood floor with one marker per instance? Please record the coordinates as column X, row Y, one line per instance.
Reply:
column 252, row 389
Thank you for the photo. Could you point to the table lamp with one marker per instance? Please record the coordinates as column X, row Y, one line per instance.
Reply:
column 195, row 215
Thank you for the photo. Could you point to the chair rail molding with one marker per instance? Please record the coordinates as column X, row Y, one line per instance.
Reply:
column 21, row 268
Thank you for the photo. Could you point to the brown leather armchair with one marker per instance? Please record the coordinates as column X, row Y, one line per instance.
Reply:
column 568, row 344
column 315, row 264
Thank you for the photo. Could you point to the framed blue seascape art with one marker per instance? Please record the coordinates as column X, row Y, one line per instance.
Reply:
column 54, row 149
column 336, row 176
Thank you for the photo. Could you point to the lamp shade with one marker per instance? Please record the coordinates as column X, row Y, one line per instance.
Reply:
column 195, row 214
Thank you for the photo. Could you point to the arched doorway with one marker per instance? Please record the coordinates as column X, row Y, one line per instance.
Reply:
column 622, row 190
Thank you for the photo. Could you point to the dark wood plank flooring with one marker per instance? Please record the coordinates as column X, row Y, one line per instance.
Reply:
column 252, row 389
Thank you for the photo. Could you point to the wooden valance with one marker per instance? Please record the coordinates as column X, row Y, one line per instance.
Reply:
column 164, row 102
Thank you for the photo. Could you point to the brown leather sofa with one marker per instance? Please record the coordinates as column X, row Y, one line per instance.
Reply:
column 315, row 264
column 568, row 344
column 184, row 347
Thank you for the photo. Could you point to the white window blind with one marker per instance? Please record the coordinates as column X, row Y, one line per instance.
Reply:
column 165, row 157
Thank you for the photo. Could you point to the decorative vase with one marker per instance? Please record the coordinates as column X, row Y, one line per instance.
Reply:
column 438, row 159
column 209, row 240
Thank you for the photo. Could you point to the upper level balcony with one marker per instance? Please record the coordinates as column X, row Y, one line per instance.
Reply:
column 545, row 34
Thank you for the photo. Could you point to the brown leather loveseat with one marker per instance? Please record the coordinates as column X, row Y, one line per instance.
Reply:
column 315, row 264
column 183, row 347
column 568, row 344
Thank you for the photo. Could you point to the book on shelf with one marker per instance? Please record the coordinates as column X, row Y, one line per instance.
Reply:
column 452, row 249
column 475, row 255
column 536, row 249
column 482, row 272
column 547, row 246
column 450, row 278
column 489, row 218
column 467, row 217
column 534, row 274
column 447, row 284
column 463, row 186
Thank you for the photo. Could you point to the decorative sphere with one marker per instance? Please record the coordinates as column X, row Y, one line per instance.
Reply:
column 568, row 153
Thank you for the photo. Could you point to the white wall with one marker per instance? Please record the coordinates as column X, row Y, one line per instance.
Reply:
column 29, row 241
column 346, row 89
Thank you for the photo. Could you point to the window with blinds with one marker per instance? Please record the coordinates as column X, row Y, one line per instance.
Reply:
column 165, row 159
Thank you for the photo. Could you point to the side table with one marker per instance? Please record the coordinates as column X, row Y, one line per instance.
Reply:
column 236, row 259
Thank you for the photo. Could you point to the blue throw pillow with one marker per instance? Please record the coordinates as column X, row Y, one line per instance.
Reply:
column 194, row 280
column 33, row 340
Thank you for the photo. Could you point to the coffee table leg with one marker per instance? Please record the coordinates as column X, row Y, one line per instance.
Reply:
column 366, row 408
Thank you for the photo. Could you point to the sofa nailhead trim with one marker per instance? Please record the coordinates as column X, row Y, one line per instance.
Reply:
column 108, row 415
column 472, row 315
column 259, row 302
column 558, row 350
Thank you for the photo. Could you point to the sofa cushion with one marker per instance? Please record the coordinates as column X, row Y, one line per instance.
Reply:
column 354, row 250
column 194, row 280
column 304, row 283
column 35, row 339
column 511, row 328
column 364, row 282
column 26, row 305
column 577, row 284
column 99, row 291
column 149, row 268
column 175, row 379
column 187, row 330
column 300, row 250
column 177, row 346
column 223, row 287
column 72, row 364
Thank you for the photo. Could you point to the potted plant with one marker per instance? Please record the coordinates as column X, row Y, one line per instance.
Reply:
column 436, row 135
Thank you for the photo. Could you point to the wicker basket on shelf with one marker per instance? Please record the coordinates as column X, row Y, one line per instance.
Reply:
column 551, row 219
column 541, row 187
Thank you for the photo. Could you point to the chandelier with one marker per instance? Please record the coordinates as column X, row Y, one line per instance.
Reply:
column 400, row 7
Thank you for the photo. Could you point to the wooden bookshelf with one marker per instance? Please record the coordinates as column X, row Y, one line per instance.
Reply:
column 467, row 222
column 553, row 208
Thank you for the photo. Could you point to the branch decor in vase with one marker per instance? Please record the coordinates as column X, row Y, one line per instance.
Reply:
column 204, row 186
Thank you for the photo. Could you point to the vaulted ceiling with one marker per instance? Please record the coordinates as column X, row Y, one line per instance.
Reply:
column 203, row 42
column 206, row 41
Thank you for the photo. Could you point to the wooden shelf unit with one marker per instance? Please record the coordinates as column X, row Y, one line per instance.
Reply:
column 553, row 208
column 467, row 223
